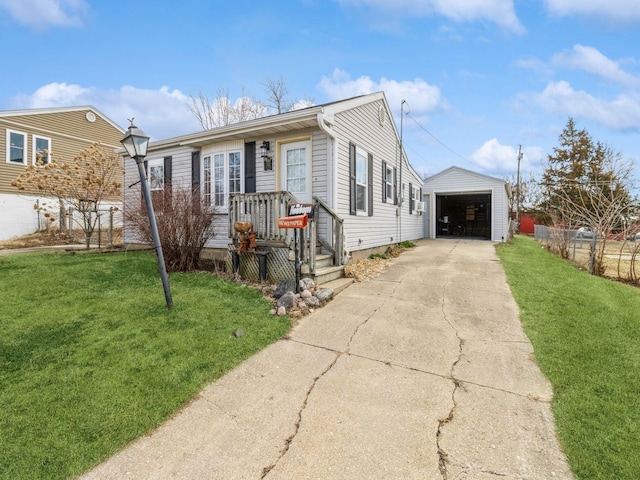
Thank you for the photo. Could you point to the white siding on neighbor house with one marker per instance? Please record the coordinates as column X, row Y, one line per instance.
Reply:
column 389, row 223
column 458, row 181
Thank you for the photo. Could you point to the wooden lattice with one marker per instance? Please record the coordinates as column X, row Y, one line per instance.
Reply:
column 279, row 267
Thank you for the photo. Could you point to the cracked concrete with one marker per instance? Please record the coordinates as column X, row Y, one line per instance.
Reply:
column 421, row 373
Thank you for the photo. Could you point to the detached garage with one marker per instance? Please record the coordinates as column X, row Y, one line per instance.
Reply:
column 465, row 204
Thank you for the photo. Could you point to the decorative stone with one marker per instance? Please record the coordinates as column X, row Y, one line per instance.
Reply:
column 238, row 332
column 306, row 284
column 287, row 300
column 283, row 287
column 282, row 311
column 324, row 294
column 306, row 294
column 312, row 301
column 273, row 311
column 296, row 314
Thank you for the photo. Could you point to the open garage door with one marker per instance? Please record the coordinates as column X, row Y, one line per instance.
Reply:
column 463, row 215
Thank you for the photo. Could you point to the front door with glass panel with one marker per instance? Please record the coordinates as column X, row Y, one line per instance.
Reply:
column 295, row 169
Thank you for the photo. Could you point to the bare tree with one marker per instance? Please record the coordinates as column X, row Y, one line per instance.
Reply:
column 277, row 94
column 94, row 175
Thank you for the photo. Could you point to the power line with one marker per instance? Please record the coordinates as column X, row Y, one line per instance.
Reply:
column 437, row 139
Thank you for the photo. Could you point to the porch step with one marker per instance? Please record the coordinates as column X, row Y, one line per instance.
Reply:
column 323, row 260
column 327, row 274
column 337, row 285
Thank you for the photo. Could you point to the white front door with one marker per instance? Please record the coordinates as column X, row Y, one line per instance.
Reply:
column 295, row 169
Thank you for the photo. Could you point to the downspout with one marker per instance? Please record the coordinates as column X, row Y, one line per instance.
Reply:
column 332, row 154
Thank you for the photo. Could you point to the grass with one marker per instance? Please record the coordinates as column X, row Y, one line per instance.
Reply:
column 586, row 336
column 91, row 359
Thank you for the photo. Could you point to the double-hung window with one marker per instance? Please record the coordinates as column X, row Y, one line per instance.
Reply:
column 222, row 176
column 16, row 147
column 361, row 180
column 41, row 150
column 156, row 174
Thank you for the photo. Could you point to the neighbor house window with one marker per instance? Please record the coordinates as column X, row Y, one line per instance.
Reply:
column 222, row 175
column 16, row 147
column 41, row 150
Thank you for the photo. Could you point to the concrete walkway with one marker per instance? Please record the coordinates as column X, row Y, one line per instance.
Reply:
column 421, row 373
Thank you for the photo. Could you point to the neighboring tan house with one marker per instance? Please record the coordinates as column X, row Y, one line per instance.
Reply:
column 462, row 203
column 343, row 158
column 63, row 133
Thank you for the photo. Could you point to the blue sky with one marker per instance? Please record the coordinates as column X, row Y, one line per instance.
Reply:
column 480, row 77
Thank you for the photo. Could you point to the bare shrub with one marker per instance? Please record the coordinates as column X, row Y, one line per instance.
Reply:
column 185, row 225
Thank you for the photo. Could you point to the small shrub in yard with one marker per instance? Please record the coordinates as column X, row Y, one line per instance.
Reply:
column 407, row 244
column 381, row 256
column 185, row 225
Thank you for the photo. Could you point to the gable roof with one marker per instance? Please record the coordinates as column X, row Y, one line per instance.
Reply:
column 43, row 111
column 270, row 125
column 465, row 171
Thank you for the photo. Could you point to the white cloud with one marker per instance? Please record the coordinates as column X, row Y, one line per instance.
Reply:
column 421, row 97
column 619, row 10
column 593, row 61
column 500, row 12
column 622, row 113
column 40, row 14
column 161, row 113
column 493, row 156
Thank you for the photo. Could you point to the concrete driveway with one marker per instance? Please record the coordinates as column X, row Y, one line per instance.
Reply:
column 421, row 373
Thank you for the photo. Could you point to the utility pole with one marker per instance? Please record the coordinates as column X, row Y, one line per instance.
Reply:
column 518, row 188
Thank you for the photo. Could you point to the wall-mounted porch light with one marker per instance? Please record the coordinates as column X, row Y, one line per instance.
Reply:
column 268, row 161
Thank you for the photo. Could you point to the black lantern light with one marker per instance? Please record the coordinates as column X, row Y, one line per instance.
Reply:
column 136, row 144
column 268, row 161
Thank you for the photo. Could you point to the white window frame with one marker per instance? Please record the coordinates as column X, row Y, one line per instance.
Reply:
column 24, row 148
column 217, row 193
column 362, row 159
column 388, row 183
column 415, row 194
column 34, row 157
column 151, row 165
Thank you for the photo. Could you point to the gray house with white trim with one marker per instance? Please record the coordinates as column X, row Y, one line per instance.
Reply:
column 343, row 157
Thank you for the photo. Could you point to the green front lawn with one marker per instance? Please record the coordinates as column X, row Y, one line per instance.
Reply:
column 586, row 335
column 91, row 359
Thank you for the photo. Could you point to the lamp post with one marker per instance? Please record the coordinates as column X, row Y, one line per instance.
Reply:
column 136, row 144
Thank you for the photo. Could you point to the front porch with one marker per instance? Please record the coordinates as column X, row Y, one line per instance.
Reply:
column 261, row 251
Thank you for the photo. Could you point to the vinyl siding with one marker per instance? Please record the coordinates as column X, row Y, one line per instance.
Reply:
column 360, row 125
column 69, row 131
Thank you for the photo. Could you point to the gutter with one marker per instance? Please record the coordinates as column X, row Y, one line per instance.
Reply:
column 332, row 182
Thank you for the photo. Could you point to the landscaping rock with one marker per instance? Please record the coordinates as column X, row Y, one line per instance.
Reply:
column 282, row 311
column 306, row 294
column 238, row 332
column 283, row 287
column 324, row 295
column 307, row 284
column 312, row 301
column 287, row 300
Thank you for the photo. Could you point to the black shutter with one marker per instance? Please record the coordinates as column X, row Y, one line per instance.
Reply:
column 421, row 200
column 352, row 178
column 195, row 171
column 370, row 178
column 250, row 167
column 384, row 182
column 167, row 174
column 411, row 198
column 395, row 186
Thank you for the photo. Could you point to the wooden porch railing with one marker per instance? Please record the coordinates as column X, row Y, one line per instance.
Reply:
column 264, row 209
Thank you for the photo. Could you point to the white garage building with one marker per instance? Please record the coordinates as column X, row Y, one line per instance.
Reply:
column 461, row 203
